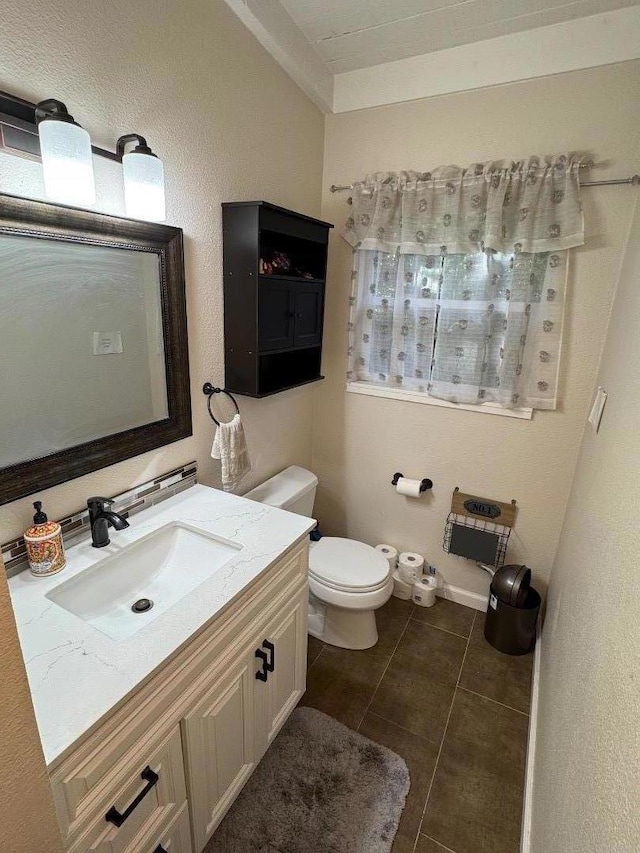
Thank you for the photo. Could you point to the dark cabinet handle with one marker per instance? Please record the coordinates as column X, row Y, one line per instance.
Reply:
column 272, row 653
column 262, row 674
column 118, row 818
column 268, row 661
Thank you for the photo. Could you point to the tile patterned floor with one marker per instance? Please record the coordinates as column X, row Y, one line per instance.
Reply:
column 437, row 693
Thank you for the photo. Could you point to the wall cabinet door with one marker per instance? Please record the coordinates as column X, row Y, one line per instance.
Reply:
column 309, row 306
column 275, row 698
column 218, row 740
column 276, row 314
column 290, row 313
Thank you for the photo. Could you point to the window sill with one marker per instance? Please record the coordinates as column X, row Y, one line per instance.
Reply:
column 424, row 399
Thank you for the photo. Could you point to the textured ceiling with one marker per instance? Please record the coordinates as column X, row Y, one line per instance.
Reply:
column 350, row 34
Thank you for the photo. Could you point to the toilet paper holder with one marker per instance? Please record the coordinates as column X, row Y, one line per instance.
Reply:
column 425, row 484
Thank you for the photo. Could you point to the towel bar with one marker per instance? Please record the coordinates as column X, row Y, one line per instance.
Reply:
column 210, row 390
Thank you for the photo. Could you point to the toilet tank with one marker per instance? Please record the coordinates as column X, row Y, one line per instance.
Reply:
column 293, row 489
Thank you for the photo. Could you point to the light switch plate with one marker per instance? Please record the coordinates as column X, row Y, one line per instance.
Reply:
column 105, row 343
column 595, row 415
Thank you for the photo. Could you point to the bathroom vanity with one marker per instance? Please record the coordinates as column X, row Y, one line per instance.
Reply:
column 150, row 732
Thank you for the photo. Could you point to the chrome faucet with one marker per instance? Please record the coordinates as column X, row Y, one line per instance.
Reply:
column 100, row 518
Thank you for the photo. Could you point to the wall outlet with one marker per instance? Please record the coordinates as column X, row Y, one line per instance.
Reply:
column 105, row 343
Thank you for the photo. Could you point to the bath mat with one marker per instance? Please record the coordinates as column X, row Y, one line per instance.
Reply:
column 321, row 788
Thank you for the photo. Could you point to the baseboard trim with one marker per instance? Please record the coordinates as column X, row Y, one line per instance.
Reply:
column 525, row 840
column 464, row 596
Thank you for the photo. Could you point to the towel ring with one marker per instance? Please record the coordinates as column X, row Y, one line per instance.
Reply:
column 210, row 390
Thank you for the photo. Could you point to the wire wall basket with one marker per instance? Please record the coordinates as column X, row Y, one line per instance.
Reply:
column 479, row 528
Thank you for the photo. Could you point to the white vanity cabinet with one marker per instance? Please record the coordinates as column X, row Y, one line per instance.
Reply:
column 168, row 763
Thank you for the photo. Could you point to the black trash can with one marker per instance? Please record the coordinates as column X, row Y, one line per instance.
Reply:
column 510, row 628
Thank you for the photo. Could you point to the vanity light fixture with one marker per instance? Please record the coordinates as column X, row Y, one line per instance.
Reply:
column 66, row 155
column 47, row 130
column 143, row 175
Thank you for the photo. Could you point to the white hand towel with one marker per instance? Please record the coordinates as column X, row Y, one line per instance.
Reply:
column 230, row 447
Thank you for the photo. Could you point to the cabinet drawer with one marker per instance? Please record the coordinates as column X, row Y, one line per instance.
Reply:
column 80, row 780
column 135, row 799
column 175, row 837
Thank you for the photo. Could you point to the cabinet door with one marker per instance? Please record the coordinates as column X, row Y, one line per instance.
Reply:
column 276, row 697
column 276, row 311
column 218, row 738
column 309, row 306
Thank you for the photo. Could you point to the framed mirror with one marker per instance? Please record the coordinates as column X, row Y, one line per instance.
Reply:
column 93, row 342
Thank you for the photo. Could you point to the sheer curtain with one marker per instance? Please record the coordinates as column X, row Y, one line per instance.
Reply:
column 459, row 280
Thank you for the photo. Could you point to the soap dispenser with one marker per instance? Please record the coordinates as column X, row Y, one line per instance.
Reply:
column 45, row 550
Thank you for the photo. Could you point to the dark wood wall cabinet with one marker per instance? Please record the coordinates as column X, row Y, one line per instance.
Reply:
column 275, row 266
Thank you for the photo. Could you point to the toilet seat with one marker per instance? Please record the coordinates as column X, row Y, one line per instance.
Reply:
column 347, row 566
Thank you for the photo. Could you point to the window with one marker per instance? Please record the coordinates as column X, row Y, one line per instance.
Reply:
column 468, row 328
column 459, row 281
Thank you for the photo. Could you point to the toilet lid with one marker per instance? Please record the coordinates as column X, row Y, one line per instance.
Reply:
column 347, row 565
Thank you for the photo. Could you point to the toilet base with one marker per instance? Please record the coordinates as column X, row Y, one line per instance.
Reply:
column 337, row 626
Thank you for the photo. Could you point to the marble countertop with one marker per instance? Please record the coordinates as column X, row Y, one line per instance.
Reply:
column 76, row 673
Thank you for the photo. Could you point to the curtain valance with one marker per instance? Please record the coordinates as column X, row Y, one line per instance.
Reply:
column 526, row 206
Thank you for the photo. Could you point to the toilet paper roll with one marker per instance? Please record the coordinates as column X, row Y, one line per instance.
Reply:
column 390, row 554
column 400, row 588
column 424, row 593
column 410, row 566
column 408, row 487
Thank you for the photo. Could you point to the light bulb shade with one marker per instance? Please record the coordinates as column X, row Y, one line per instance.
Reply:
column 143, row 186
column 67, row 164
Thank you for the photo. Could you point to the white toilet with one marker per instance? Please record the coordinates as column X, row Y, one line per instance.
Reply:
column 348, row 580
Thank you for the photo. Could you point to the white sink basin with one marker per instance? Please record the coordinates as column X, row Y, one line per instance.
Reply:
column 162, row 567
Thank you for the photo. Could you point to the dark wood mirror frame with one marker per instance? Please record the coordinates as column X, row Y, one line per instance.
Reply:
column 20, row 216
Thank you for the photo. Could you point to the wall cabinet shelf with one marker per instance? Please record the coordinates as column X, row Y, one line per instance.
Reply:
column 275, row 264
column 272, row 277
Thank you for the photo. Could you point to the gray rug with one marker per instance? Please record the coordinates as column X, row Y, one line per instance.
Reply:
column 321, row 788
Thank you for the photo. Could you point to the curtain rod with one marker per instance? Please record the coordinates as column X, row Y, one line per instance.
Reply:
column 633, row 181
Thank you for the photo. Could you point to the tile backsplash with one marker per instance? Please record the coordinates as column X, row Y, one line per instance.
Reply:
column 127, row 503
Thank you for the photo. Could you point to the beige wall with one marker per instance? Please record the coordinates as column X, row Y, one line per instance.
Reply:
column 587, row 767
column 228, row 123
column 360, row 441
column 27, row 818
